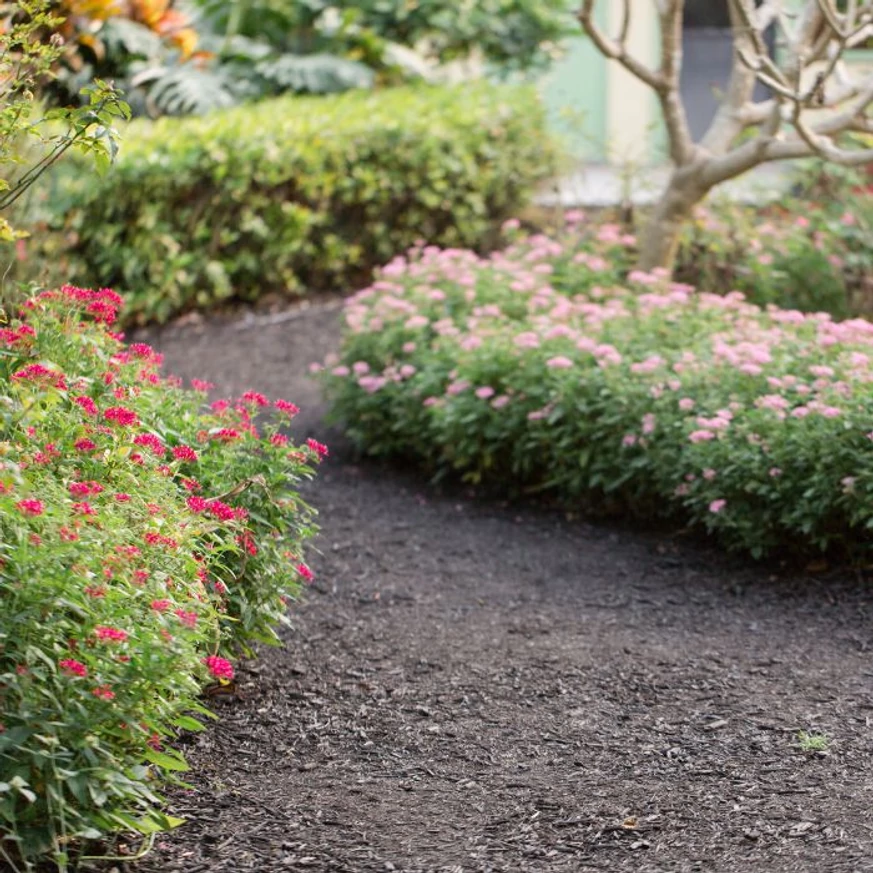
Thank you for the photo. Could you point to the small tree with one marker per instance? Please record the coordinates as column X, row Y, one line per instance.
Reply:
column 815, row 103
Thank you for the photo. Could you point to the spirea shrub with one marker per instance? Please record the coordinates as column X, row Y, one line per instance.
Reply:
column 537, row 370
column 144, row 541
column 809, row 254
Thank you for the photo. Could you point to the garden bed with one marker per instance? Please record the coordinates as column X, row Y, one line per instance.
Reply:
column 474, row 686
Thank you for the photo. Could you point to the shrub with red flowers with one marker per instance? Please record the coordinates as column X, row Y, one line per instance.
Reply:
column 142, row 547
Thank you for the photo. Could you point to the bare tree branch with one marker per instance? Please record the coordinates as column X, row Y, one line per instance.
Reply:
column 616, row 50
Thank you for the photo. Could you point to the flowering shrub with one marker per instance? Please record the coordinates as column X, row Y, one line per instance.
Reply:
column 535, row 369
column 143, row 543
column 813, row 253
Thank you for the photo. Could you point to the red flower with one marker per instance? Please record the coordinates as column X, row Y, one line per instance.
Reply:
column 84, row 508
column 31, row 507
column 109, row 634
column 319, row 448
column 189, row 619
column 151, row 441
column 87, row 404
column 160, row 605
column 279, row 439
column 121, row 497
column 191, row 484
column 290, row 409
column 121, row 416
column 197, row 504
column 226, row 435
column 85, row 445
column 220, row 668
column 305, row 572
column 255, row 398
column 221, row 511
column 104, row 692
column 184, row 453
column 72, row 667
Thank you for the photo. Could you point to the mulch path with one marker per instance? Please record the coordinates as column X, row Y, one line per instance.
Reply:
column 470, row 686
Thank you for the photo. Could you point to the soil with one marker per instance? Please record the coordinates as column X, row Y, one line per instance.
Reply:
column 471, row 686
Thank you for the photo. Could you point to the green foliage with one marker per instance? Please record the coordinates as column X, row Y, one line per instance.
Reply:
column 541, row 369
column 301, row 193
column 141, row 540
column 813, row 251
column 31, row 140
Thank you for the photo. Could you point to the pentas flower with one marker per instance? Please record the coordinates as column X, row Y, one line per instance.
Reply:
column 184, row 453
column 197, row 504
column 279, row 439
column 72, row 667
column 219, row 667
column 254, row 398
column 30, row 506
column 152, row 442
column 290, row 409
column 160, row 605
column 87, row 404
column 83, row 489
column 84, row 508
column 121, row 497
column 201, row 386
column 226, row 435
column 104, row 692
column 84, row 445
column 40, row 373
column 319, row 448
column 189, row 619
column 121, row 416
column 104, row 633
column 305, row 572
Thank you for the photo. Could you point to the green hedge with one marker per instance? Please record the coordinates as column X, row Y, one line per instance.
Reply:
column 301, row 193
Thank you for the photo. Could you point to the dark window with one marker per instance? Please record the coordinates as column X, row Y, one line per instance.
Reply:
column 707, row 13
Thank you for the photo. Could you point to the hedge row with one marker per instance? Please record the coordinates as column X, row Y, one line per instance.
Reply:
column 143, row 542
column 541, row 369
column 299, row 194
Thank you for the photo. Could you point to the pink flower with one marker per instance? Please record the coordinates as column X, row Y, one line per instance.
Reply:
column 686, row 404
column 775, row 472
column 121, row 416
column 160, row 605
column 201, row 386
column 717, row 506
column 500, row 402
column 700, row 436
column 649, row 423
column 305, row 572
column 72, row 667
column 31, row 507
column 104, row 692
column 559, row 363
column 220, row 668
column 709, row 474
column 484, row 392
column 629, row 439
column 84, row 445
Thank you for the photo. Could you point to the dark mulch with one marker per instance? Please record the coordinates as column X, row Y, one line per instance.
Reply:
column 474, row 687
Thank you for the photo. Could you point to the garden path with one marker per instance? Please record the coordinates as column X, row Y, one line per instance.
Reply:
column 470, row 686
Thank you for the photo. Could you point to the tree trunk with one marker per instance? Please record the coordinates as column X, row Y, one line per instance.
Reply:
column 660, row 238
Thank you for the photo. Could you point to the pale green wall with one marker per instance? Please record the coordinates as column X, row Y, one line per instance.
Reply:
column 574, row 91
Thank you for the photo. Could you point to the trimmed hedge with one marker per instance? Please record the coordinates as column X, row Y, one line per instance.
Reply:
column 301, row 193
column 543, row 368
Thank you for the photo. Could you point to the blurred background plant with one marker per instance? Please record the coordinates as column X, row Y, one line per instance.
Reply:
column 192, row 57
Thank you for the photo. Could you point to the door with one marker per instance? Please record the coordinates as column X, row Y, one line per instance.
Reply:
column 707, row 60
